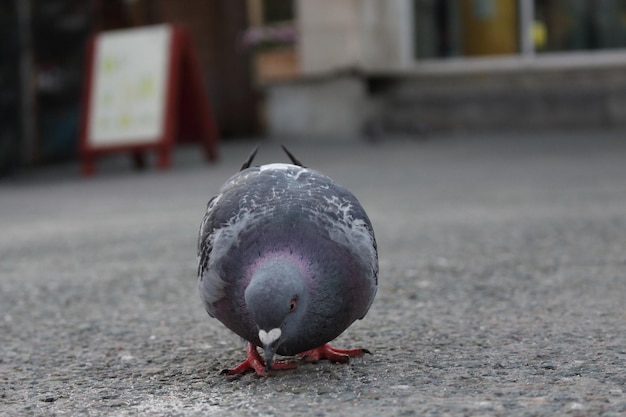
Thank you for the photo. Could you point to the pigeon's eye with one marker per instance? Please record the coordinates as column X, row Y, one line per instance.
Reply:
column 292, row 305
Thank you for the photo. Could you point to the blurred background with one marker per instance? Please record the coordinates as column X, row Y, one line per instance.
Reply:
column 331, row 69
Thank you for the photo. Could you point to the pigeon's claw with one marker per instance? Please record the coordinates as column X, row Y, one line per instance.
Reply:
column 332, row 354
column 254, row 362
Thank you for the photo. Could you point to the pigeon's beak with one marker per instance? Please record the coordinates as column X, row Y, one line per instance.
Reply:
column 269, row 340
column 269, row 356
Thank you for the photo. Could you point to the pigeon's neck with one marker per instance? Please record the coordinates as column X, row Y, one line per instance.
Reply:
column 276, row 280
column 277, row 269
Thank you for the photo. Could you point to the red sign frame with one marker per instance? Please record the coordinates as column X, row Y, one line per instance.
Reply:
column 188, row 116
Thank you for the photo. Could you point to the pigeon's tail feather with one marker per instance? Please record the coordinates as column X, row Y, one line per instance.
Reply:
column 248, row 162
column 293, row 158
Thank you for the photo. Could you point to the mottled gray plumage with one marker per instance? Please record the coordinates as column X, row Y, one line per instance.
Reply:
column 285, row 247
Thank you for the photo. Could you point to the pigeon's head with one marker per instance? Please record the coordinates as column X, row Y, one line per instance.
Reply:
column 276, row 298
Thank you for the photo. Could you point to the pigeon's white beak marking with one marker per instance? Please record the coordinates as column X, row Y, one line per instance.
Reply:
column 267, row 338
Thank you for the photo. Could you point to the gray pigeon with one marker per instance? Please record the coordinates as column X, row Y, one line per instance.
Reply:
column 287, row 260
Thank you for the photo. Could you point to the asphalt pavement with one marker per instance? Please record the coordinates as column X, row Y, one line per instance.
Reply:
column 502, row 285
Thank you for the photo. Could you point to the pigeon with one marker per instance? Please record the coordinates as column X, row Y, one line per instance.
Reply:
column 287, row 259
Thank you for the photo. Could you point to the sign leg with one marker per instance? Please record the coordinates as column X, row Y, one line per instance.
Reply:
column 88, row 167
column 165, row 158
column 139, row 160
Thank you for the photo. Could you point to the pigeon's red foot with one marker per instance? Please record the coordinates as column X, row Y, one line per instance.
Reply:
column 332, row 354
column 254, row 362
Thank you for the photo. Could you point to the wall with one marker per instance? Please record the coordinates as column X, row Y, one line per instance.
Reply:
column 353, row 34
column 326, row 108
column 517, row 100
column 216, row 28
column 329, row 35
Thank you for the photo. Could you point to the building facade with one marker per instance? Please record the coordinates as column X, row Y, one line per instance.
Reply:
column 416, row 65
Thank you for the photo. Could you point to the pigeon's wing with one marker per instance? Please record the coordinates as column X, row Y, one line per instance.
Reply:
column 213, row 285
column 218, row 230
column 348, row 224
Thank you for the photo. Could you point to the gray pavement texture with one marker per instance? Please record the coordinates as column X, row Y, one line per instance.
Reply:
column 502, row 285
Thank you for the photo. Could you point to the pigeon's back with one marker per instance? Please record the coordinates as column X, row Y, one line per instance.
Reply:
column 288, row 209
